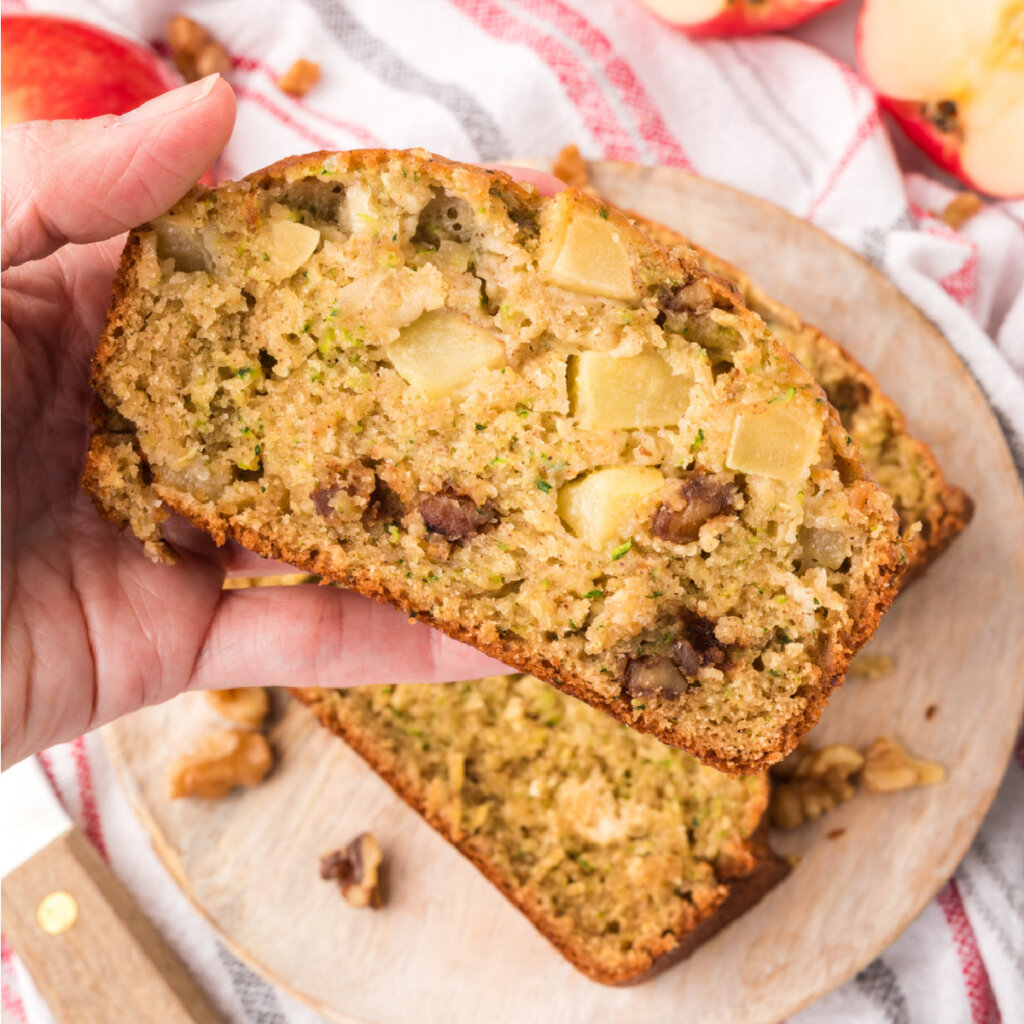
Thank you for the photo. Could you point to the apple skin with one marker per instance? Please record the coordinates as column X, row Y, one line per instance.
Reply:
column 741, row 18
column 53, row 68
column 941, row 147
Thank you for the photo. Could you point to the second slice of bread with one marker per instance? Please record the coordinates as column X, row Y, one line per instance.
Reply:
column 626, row 854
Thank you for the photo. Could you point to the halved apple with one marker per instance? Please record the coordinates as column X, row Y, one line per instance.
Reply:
column 951, row 72
column 736, row 17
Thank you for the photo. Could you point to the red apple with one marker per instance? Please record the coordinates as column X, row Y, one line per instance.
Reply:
column 57, row 68
column 736, row 17
column 951, row 72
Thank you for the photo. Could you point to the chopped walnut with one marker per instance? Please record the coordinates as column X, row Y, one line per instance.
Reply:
column 689, row 505
column 299, row 78
column 809, row 782
column 889, row 767
column 870, row 666
column 357, row 867
column 456, row 516
column 221, row 761
column 960, row 209
column 247, row 706
column 812, row 782
column 196, row 53
column 647, row 676
column 185, row 35
column 570, row 166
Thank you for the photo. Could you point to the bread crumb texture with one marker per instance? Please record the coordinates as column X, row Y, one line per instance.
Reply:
column 517, row 418
column 624, row 852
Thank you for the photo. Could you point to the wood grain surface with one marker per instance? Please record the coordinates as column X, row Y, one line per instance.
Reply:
column 95, row 958
column 448, row 948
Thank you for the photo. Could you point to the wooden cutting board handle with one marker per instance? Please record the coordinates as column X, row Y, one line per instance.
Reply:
column 94, row 956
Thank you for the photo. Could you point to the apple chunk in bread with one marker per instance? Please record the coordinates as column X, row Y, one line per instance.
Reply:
column 177, row 241
column 286, row 245
column 600, row 507
column 629, row 392
column 952, row 74
column 773, row 440
column 441, row 352
column 585, row 252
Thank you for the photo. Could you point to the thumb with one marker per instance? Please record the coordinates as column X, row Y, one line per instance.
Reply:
column 85, row 181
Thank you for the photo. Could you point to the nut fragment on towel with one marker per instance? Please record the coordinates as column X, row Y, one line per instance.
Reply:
column 196, row 53
column 299, row 78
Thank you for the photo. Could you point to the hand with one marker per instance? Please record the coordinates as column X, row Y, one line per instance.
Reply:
column 91, row 628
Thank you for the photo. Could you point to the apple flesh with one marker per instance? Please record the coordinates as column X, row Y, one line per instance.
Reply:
column 737, row 17
column 53, row 68
column 951, row 72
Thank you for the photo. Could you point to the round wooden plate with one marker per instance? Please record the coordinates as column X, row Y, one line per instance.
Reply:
column 448, row 948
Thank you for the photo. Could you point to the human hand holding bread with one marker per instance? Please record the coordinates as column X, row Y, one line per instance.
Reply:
column 92, row 630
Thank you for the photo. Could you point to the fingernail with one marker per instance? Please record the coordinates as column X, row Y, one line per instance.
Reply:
column 169, row 102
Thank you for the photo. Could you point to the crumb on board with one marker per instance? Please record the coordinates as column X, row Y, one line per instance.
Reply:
column 299, row 78
column 870, row 666
column 835, row 833
column 929, row 713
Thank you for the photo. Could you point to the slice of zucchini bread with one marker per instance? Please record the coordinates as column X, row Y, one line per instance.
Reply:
column 903, row 465
column 516, row 418
column 625, row 853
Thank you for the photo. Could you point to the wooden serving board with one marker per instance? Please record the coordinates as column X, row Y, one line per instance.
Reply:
column 448, row 948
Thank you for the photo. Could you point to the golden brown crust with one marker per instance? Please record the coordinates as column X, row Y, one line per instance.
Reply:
column 866, row 613
column 766, row 869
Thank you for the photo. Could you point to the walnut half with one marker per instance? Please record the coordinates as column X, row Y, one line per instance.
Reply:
column 889, row 767
column 357, row 867
column 247, row 706
column 221, row 761
column 810, row 782
column 813, row 782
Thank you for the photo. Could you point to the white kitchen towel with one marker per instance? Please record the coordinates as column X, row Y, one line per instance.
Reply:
column 495, row 79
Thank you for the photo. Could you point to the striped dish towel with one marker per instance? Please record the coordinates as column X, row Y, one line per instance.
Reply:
column 487, row 80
